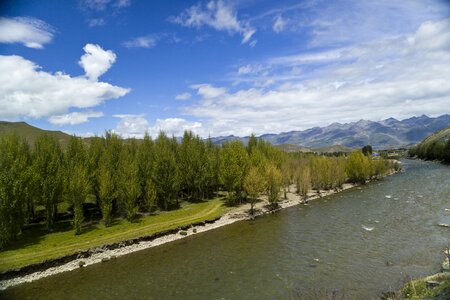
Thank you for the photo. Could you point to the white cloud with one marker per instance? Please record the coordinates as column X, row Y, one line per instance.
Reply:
column 101, row 5
column 183, row 96
column 27, row 91
column 208, row 91
column 391, row 77
column 137, row 125
column 132, row 125
column 433, row 36
column 174, row 126
column 96, row 61
column 96, row 22
column 74, row 118
column 245, row 69
column 141, row 42
column 30, row 32
column 122, row 3
column 217, row 14
column 279, row 24
column 348, row 22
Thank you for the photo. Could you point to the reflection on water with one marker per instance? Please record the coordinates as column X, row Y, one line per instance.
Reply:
column 360, row 242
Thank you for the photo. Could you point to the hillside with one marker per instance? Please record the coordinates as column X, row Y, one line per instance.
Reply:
column 30, row 133
column 441, row 135
column 434, row 147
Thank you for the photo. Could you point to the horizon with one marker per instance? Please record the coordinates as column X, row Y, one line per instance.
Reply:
column 228, row 136
column 221, row 68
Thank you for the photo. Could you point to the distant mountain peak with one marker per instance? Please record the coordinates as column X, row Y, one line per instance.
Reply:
column 388, row 133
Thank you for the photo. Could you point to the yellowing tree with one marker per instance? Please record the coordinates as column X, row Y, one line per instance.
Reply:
column 254, row 185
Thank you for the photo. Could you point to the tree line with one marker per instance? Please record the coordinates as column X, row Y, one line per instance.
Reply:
column 127, row 177
column 435, row 150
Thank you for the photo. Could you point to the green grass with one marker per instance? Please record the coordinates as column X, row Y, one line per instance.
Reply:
column 417, row 289
column 36, row 245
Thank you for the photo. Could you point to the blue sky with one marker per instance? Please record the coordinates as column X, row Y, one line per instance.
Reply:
column 221, row 67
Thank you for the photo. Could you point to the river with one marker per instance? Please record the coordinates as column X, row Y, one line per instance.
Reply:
column 358, row 243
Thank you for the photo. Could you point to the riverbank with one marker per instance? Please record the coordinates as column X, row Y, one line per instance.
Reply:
column 435, row 286
column 108, row 252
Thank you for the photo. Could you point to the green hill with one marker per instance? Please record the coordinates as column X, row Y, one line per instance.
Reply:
column 441, row 135
column 30, row 133
column 434, row 147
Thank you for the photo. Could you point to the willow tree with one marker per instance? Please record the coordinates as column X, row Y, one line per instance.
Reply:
column 302, row 179
column 358, row 167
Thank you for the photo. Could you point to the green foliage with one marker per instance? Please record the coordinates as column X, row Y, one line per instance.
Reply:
column 48, row 174
column 358, row 167
column 77, row 184
column 165, row 172
column 233, row 167
column 302, row 179
column 129, row 185
column 434, row 147
column 254, row 184
column 127, row 176
column 367, row 150
column 14, row 179
column 109, row 176
column 274, row 181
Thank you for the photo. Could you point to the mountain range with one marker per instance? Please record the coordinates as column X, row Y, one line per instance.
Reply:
column 386, row 134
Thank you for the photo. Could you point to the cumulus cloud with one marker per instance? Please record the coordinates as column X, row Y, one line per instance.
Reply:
column 433, row 36
column 27, row 91
column 391, row 77
column 141, row 42
column 183, row 96
column 218, row 15
column 132, row 125
column 96, row 61
column 31, row 32
column 74, row 118
column 137, row 125
column 208, row 91
column 279, row 24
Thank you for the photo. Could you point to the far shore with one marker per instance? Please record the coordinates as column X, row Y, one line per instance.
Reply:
column 105, row 253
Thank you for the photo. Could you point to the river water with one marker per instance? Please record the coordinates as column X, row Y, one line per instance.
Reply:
column 357, row 243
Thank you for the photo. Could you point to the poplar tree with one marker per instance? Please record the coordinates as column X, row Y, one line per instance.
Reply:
column 358, row 167
column 47, row 172
column 77, row 184
column 165, row 172
column 108, row 177
column 254, row 185
column 129, row 185
column 234, row 162
column 274, row 182
column 14, row 184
